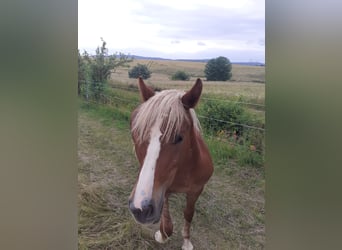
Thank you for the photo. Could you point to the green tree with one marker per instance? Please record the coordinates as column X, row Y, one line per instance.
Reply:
column 140, row 70
column 100, row 66
column 218, row 69
column 181, row 75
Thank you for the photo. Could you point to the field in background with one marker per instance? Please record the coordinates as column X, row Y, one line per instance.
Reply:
column 247, row 81
column 229, row 214
column 163, row 69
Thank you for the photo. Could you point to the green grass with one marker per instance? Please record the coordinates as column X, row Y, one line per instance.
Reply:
column 223, row 151
column 108, row 114
column 230, row 213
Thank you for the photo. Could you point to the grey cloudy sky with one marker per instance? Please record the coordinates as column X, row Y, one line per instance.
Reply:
column 177, row 29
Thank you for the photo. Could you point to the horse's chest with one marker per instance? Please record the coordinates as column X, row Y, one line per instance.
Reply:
column 182, row 183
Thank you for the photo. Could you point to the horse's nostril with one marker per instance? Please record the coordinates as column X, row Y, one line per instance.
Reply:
column 148, row 210
column 145, row 213
column 147, row 205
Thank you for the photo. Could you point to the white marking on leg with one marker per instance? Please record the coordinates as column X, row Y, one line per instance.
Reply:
column 187, row 245
column 186, row 234
column 144, row 187
column 159, row 238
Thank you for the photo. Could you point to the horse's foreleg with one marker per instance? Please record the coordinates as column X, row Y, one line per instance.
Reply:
column 188, row 214
column 166, row 226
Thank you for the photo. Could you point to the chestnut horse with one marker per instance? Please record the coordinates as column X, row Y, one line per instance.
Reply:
column 172, row 155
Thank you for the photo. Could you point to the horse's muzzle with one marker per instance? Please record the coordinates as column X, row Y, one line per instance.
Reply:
column 148, row 214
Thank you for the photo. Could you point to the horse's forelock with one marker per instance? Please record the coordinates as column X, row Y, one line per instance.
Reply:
column 165, row 107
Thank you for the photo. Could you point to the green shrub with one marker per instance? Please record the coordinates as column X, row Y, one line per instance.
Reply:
column 140, row 70
column 219, row 111
column 180, row 75
column 231, row 121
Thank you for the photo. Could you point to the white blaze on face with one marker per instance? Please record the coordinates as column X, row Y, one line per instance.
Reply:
column 144, row 187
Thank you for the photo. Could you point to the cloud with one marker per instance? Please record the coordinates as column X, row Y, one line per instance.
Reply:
column 154, row 25
column 204, row 22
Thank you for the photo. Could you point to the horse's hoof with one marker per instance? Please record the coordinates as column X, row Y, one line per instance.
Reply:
column 159, row 238
column 187, row 245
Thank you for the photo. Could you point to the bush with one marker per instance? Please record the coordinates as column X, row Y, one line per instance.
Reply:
column 227, row 119
column 94, row 71
column 180, row 75
column 223, row 111
column 140, row 70
column 218, row 69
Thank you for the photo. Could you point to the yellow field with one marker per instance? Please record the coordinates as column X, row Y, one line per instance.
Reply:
column 246, row 81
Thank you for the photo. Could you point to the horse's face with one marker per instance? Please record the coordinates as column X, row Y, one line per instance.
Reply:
column 160, row 153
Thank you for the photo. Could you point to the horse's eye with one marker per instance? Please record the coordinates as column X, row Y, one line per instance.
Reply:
column 178, row 139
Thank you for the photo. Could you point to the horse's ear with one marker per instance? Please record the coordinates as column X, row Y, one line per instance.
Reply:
column 191, row 97
column 145, row 92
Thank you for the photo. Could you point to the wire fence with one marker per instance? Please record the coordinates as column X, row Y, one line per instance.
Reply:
column 124, row 88
column 233, row 123
column 204, row 98
column 230, row 139
column 237, row 102
column 109, row 99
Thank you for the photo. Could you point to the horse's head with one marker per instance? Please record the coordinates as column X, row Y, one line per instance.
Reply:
column 163, row 128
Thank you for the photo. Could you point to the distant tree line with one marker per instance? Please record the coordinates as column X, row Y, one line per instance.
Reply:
column 95, row 71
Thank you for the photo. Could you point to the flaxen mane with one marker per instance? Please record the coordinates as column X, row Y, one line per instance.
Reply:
column 165, row 107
